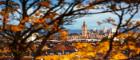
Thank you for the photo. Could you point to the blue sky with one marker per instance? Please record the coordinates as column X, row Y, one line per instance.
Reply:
column 91, row 21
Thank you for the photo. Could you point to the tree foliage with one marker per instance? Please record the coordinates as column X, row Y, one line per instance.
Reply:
column 49, row 17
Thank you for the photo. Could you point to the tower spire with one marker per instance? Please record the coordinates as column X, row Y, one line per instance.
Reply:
column 84, row 24
column 84, row 30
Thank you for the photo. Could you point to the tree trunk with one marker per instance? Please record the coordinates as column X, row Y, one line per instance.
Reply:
column 17, row 58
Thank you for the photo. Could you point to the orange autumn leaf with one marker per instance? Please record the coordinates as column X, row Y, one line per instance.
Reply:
column 103, row 47
column 63, row 34
column 39, row 21
column 137, row 50
column 46, row 4
column 10, row 2
column 54, row 28
column 138, row 23
column 25, row 19
column 17, row 28
column 119, row 56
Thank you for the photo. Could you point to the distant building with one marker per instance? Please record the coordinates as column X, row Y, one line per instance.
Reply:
column 84, row 30
column 86, row 34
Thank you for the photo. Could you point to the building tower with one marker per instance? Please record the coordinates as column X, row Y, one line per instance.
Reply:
column 84, row 30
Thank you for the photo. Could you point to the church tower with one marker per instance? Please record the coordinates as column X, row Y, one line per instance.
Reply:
column 84, row 30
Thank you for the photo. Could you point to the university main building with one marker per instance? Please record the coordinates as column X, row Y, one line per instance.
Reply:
column 87, row 34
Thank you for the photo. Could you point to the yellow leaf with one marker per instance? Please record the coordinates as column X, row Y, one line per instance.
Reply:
column 119, row 56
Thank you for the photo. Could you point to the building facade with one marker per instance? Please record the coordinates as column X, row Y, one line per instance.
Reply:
column 84, row 30
column 86, row 34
